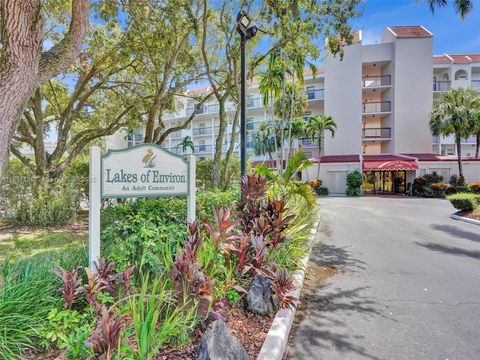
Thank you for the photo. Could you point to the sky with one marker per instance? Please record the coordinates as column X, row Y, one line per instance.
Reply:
column 450, row 33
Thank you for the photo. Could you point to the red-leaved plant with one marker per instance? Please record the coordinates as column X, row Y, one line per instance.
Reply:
column 71, row 286
column 225, row 226
column 282, row 284
column 250, row 206
column 107, row 336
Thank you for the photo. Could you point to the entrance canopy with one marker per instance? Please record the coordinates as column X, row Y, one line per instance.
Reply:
column 388, row 163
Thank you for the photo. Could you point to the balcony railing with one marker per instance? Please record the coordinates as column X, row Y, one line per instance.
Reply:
column 315, row 94
column 376, row 107
column 441, row 85
column 375, row 81
column 254, row 102
column 435, row 139
column 202, row 131
column 476, row 84
column 203, row 148
column 377, row 133
column 176, row 134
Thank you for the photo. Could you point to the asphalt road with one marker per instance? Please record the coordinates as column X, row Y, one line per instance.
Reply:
column 408, row 285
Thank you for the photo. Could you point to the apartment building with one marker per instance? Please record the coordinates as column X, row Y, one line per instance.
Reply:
column 381, row 97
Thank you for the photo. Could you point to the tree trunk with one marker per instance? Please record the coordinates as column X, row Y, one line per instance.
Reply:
column 217, row 158
column 319, row 150
column 233, row 140
column 477, row 149
column 459, row 155
column 24, row 67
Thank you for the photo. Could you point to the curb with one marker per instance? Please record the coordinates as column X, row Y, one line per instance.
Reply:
column 465, row 219
column 277, row 337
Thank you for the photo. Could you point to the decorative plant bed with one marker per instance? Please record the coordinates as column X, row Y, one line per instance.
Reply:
column 210, row 292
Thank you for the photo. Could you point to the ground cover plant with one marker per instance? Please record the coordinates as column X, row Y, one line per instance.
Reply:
column 163, row 282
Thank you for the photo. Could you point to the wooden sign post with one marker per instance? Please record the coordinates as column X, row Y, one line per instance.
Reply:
column 141, row 171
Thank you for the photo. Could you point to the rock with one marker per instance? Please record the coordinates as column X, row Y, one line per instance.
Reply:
column 259, row 298
column 218, row 343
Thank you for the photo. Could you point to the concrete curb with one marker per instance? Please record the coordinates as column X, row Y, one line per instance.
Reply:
column 276, row 341
column 465, row 219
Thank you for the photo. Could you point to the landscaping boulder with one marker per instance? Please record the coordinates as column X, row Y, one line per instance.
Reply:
column 218, row 343
column 259, row 298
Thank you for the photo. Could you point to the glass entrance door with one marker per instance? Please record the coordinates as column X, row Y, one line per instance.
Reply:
column 381, row 182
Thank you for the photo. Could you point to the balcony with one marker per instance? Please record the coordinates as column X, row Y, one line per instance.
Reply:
column 376, row 133
column 476, row 84
column 203, row 148
column 202, row 131
column 315, row 94
column 436, row 139
column 254, row 102
column 176, row 134
column 441, row 85
column 376, row 107
column 376, row 81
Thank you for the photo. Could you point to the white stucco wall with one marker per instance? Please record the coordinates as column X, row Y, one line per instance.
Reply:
column 343, row 101
column 412, row 95
column 331, row 172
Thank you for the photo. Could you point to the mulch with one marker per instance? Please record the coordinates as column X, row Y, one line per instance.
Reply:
column 249, row 329
column 473, row 214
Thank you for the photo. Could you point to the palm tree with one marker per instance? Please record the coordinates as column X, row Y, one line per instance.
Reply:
column 264, row 139
column 286, row 180
column 293, row 102
column 270, row 84
column 453, row 113
column 185, row 144
column 462, row 7
column 476, row 129
column 316, row 127
column 297, row 130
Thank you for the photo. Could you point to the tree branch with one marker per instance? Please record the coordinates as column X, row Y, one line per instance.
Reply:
column 66, row 51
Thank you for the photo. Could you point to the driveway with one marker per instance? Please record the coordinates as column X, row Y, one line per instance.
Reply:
column 395, row 278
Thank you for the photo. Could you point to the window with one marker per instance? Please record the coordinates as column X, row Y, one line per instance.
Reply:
column 134, row 138
column 250, row 123
column 461, row 75
column 310, row 92
column 308, row 154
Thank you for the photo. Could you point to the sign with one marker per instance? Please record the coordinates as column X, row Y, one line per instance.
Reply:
column 141, row 171
column 391, row 165
column 144, row 171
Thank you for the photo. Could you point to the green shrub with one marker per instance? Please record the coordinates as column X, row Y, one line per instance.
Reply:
column 457, row 181
column 430, row 186
column 354, row 183
column 321, row 191
column 52, row 202
column 464, row 201
column 145, row 232
column 204, row 173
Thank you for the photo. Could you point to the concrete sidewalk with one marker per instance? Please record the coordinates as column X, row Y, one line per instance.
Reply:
column 405, row 283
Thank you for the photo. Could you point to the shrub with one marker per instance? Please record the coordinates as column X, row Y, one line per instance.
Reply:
column 464, row 201
column 474, row 187
column 204, row 173
column 55, row 201
column 430, row 186
column 457, row 180
column 354, row 183
column 317, row 187
column 439, row 189
column 143, row 232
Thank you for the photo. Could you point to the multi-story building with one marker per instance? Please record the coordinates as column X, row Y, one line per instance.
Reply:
column 380, row 96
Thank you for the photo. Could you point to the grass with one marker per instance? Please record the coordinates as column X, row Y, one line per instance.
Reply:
column 21, row 242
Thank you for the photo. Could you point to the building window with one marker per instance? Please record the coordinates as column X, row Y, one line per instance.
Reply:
column 134, row 138
column 461, row 75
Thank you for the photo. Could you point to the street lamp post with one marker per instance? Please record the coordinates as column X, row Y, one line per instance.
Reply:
column 247, row 30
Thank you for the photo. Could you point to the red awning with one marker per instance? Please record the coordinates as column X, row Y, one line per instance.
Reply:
column 389, row 164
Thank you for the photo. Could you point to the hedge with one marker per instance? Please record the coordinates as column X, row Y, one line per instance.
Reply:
column 464, row 201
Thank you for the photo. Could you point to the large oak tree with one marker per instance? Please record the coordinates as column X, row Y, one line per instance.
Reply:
column 24, row 64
